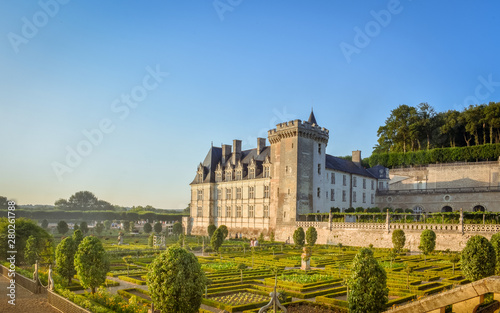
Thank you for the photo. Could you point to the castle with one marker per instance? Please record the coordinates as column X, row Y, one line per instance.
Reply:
column 260, row 190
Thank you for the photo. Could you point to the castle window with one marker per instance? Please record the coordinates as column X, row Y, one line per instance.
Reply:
column 251, row 173
column 266, row 211
column 251, row 192
column 364, row 197
column 354, row 196
column 344, row 194
column 200, row 194
column 354, row 182
column 319, row 148
column 344, row 180
column 200, row 177
column 238, row 211
column 266, row 171
column 333, row 178
column 319, row 169
column 228, row 211
column 250, row 211
column 219, row 194
column 199, row 212
column 364, row 183
column 238, row 175
column 319, row 192
column 380, row 186
column 218, row 177
column 238, row 193
column 332, row 195
column 373, row 185
column 266, row 191
column 228, row 176
column 219, row 211
column 373, row 199
column 228, row 194
column 327, row 194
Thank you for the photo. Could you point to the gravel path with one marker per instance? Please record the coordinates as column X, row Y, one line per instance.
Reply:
column 25, row 300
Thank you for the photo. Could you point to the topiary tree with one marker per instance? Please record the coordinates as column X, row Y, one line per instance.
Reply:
column 176, row 282
column 398, row 239
column 241, row 267
column 45, row 224
column 261, row 238
column 495, row 242
column 32, row 250
column 427, row 242
column 84, row 227
column 91, row 263
column 126, row 226
column 224, row 230
column 311, row 236
column 217, row 239
column 271, row 237
column 99, row 227
column 299, row 237
column 367, row 286
column 107, row 224
column 158, row 227
column 77, row 237
column 478, row 258
column 65, row 258
column 147, row 228
column 62, row 227
column 454, row 260
column 151, row 240
column 177, row 228
column 211, row 229
column 75, row 227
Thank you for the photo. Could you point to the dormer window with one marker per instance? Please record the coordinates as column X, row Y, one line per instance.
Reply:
column 238, row 175
column 218, row 177
column 267, row 171
column 251, row 173
column 228, row 176
column 200, row 177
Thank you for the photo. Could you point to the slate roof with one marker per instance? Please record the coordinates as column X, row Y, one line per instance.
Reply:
column 346, row 166
column 312, row 119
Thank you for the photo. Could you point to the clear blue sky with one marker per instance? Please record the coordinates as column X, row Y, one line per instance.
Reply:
column 234, row 71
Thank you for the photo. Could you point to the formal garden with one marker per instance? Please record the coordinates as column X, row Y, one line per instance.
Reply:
column 215, row 273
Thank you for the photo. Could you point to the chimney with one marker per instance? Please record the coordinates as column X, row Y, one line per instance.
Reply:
column 236, row 151
column 261, row 144
column 226, row 152
column 356, row 158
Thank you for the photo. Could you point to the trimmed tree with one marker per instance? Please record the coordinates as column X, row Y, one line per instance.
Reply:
column 478, row 258
column 158, row 227
column 367, row 285
column 398, row 239
column 62, row 227
column 107, row 224
column 147, row 228
column 211, row 229
column 495, row 242
column 217, row 239
column 77, row 237
column 45, row 224
column 65, row 258
column 84, row 227
column 427, row 242
column 224, row 230
column 99, row 227
column 311, row 236
column 299, row 237
column 32, row 250
column 91, row 263
column 176, row 282
column 177, row 228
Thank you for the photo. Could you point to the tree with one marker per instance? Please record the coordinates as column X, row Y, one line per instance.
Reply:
column 99, row 227
column 176, row 282
column 62, row 227
column 454, row 260
column 32, row 251
column 271, row 237
column 224, row 230
column 91, row 263
column 126, row 226
column 311, row 236
column 65, row 258
column 241, row 267
column 158, row 227
column 299, row 237
column 211, row 229
column 75, row 227
column 147, row 228
column 83, row 201
column 107, row 224
column 398, row 239
column 367, row 285
column 427, row 242
column 177, row 228
column 84, row 227
column 77, row 237
column 217, row 239
column 478, row 258
column 45, row 224
column 495, row 242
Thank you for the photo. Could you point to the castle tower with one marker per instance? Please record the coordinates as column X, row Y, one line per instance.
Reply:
column 298, row 161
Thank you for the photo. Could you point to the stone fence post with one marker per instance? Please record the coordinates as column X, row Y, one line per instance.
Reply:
column 388, row 221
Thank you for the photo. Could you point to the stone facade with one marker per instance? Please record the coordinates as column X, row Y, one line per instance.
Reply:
column 261, row 190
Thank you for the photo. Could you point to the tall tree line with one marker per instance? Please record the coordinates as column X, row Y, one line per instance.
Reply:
column 411, row 128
